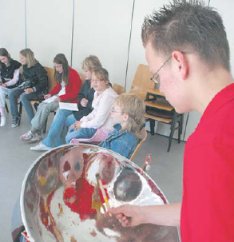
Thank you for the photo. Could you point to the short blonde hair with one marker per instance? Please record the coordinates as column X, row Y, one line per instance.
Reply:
column 134, row 107
column 91, row 63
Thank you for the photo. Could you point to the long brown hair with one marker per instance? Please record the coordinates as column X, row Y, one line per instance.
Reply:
column 30, row 59
column 4, row 52
column 61, row 60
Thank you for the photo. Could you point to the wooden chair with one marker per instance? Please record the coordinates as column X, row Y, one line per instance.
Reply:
column 158, row 109
column 138, row 147
column 141, row 81
column 50, row 73
column 52, row 83
column 118, row 88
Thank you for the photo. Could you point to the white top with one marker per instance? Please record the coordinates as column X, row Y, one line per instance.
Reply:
column 100, row 116
column 62, row 90
column 14, row 80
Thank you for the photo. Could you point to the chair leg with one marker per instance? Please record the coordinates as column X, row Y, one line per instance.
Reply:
column 44, row 130
column 180, row 127
column 20, row 108
column 152, row 126
column 171, row 133
column 6, row 107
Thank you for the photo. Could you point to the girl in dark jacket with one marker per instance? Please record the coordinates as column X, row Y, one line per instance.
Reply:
column 33, row 82
column 9, row 76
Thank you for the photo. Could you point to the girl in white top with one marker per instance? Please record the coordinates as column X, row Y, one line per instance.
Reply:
column 99, row 118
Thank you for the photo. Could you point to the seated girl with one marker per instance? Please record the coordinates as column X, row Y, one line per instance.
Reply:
column 128, row 111
column 33, row 82
column 64, row 118
column 66, row 90
column 9, row 76
column 98, row 119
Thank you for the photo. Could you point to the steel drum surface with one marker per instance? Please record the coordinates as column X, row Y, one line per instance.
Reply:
column 61, row 197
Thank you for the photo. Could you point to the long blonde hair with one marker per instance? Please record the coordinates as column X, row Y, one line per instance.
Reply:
column 134, row 107
column 30, row 59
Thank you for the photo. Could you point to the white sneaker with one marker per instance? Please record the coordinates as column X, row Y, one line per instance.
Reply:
column 3, row 121
column 40, row 147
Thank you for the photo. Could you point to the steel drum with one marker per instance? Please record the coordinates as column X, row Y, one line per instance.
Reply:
column 67, row 190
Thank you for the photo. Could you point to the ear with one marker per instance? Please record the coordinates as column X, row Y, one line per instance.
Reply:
column 125, row 117
column 182, row 64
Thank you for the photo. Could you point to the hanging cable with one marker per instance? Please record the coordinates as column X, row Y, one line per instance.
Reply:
column 73, row 23
column 129, row 44
column 25, row 24
column 185, row 127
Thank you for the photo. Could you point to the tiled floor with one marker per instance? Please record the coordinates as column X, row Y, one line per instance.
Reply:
column 15, row 159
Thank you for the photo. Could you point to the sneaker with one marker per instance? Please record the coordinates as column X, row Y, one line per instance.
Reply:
column 36, row 138
column 15, row 122
column 3, row 121
column 30, row 137
column 40, row 147
column 27, row 136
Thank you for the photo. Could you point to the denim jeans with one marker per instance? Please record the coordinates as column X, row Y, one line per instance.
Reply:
column 40, row 118
column 57, row 131
column 79, row 133
column 70, row 120
column 26, row 99
column 3, row 92
column 13, row 98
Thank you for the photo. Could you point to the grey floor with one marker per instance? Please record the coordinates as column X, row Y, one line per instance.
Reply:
column 15, row 159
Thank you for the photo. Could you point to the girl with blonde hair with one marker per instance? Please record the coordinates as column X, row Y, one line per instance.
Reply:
column 33, row 82
column 98, row 119
column 128, row 113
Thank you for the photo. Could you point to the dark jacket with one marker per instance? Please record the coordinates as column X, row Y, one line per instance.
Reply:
column 37, row 75
column 85, row 92
column 7, row 72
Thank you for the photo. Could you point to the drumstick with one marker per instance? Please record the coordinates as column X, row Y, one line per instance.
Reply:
column 103, row 191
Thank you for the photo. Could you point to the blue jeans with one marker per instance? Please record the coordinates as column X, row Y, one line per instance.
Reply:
column 13, row 95
column 80, row 133
column 58, row 128
column 70, row 120
column 25, row 99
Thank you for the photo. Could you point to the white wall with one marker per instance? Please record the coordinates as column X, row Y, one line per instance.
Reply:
column 12, row 26
column 49, row 28
column 101, row 27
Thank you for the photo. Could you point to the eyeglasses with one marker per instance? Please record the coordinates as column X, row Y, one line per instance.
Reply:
column 155, row 78
column 113, row 110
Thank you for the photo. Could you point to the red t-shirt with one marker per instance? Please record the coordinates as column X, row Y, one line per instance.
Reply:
column 208, row 184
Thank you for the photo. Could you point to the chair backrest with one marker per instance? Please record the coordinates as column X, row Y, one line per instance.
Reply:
column 118, row 88
column 144, row 137
column 50, row 73
column 141, row 81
